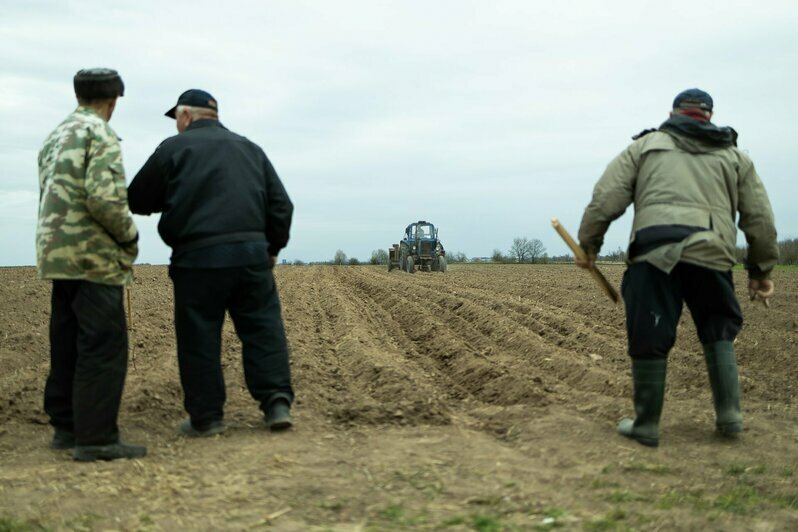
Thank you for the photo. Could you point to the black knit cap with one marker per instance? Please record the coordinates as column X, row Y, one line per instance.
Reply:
column 194, row 98
column 695, row 98
column 98, row 84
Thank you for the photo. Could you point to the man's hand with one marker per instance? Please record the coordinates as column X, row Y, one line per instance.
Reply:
column 587, row 263
column 761, row 289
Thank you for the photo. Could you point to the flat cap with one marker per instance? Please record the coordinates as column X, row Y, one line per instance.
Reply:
column 98, row 83
column 693, row 98
column 194, row 98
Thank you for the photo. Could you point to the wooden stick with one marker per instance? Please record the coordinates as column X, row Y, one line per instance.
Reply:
column 580, row 254
column 129, row 309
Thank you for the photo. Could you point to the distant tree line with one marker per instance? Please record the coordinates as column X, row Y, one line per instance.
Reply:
column 531, row 250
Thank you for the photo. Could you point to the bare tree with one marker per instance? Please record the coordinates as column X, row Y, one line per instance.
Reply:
column 526, row 250
column 339, row 258
column 536, row 250
column 456, row 256
column 379, row 256
column 520, row 249
column 497, row 256
column 619, row 255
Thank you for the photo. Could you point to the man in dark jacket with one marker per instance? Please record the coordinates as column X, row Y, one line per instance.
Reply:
column 226, row 215
column 688, row 182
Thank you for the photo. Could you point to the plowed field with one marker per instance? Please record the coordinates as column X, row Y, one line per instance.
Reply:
column 485, row 398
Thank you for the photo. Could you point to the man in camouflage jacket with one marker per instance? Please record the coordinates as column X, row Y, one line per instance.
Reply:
column 86, row 244
column 689, row 184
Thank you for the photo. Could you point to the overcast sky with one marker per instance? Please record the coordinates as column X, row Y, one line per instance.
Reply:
column 487, row 118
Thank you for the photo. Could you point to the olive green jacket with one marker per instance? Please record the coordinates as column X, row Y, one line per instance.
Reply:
column 679, row 180
column 85, row 228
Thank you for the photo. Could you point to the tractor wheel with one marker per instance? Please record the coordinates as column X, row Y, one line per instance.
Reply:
column 410, row 268
column 390, row 265
column 441, row 264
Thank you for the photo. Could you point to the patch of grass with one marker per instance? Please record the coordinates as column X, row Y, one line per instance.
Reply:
column 488, row 523
column 735, row 469
column 741, row 469
column 552, row 519
column 395, row 515
column 741, row 500
column 11, row 524
column 83, row 522
column 674, row 498
column 625, row 496
column 453, row 521
column 786, row 472
column 786, row 501
column 612, row 520
column 554, row 512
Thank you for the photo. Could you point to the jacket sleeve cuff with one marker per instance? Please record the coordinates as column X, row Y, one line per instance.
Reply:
column 130, row 242
column 755, row 273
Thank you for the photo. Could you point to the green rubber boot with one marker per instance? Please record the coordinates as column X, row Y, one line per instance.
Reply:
column 649, row 394
column 725, row 383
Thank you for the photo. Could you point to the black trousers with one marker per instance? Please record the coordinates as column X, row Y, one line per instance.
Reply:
column 654, row 305
column 250, row 295
column 88, row 360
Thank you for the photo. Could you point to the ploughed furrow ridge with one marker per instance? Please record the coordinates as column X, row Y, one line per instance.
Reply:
column 371, row 382
column 523, row 357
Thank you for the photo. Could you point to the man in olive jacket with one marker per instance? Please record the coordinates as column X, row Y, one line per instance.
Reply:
column 688, row 182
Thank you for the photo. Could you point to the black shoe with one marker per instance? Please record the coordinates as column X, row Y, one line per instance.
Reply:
column 214, row 427
column 112, row 451
column 278, row 415
column 63, row 439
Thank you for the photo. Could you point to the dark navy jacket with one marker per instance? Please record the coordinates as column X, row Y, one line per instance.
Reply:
column 213, row 187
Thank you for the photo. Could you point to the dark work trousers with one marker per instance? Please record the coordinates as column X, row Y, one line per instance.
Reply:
column 202, row 295
column 88, row 360
column 654, row 305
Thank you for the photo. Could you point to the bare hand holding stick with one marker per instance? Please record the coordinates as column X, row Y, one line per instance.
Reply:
column 585, row 261
column 761, row 290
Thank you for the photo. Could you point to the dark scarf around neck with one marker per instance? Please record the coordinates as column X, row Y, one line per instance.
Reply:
column 704, row 131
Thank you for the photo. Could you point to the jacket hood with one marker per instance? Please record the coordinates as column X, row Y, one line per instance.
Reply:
column 694, row 136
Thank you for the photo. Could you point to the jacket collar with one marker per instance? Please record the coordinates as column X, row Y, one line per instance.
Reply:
column 204, row 122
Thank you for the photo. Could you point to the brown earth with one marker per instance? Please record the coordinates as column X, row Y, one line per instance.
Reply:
column 485, row 398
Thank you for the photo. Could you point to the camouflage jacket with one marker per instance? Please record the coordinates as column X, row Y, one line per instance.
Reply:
column 85, row 228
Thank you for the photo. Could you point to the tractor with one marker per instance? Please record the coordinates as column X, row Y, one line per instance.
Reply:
column 419, row 249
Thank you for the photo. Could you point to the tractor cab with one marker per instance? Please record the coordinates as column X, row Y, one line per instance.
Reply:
column 420, row 231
